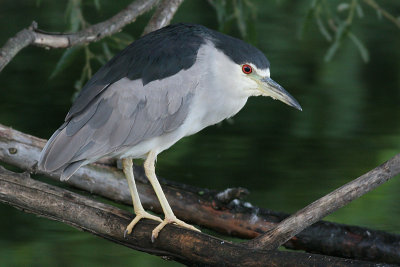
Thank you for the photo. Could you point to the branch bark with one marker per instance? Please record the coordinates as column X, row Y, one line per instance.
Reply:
column 33, row 36
column 163, row 15
column 305, row 217
column 197, row 205
column 176, row 243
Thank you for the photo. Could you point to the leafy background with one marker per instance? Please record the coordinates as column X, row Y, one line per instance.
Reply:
column 340, row 59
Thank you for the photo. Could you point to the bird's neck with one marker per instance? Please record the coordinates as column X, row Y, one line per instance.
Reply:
column 211, row 109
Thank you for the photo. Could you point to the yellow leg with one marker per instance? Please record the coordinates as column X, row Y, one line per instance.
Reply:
column 149, row 169
column 137, row 206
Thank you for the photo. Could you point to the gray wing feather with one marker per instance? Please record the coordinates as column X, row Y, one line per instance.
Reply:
column 122, row 116
column 77, row 122
column 88, row 93
column 174, row 102
column 103, row 113
column 174, row 120
column 71, row 169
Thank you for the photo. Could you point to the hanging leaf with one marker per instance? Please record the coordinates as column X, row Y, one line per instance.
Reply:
column 331, row 51
column 360, row 11
column 106, row 51
column 97, row 4
column 65, row 60
column 379, row 14
column 343, row 7
column 73, row 15
column 323, row 29
column 341, row 33
column 240, row 17
column 361, row 47
column 252, row 8
column 308, row 18
column 101, row 59
column 68, row 9
column 220, row 10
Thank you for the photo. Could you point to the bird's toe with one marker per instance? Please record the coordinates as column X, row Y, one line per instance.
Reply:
column 172, row 220
column 140, row 215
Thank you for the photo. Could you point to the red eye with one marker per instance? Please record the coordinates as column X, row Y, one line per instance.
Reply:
column 247, row 69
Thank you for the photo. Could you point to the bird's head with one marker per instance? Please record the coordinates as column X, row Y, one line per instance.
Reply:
column 247, row 68
column 258, row 82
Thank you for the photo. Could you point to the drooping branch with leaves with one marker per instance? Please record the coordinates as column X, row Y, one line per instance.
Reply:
column 335, row 21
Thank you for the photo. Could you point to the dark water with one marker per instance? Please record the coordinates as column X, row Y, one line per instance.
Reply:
column 287, row 159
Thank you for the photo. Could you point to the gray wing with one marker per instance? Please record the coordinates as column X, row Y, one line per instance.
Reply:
column 120, row 117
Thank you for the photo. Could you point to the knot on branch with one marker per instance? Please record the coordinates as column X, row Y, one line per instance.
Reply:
column 230, row 194
column 34, row 26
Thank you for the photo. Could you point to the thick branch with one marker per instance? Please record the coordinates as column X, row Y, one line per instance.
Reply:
column 314, row 212
column 108, row 222
column 163, row 15
column 198, row 205
column 63, row 40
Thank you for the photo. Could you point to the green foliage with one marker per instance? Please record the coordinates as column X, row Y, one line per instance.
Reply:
column 73, row 14
column 66, row 60
column 332, row 23
column 313, row 11
column 334, row 20
column 360, row 46
column 341, row 33
column 97, row 4
column 239, row 13
column 102, row 51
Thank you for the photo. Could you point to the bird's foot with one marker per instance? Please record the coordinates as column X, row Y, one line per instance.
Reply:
column 140, row 215
column 169, row 220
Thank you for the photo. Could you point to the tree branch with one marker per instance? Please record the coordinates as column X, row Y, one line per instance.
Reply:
column 163, row 15
column 33, row 36
column 386, row 14
column 198, row 205
column 176, row 243
column 293, row 225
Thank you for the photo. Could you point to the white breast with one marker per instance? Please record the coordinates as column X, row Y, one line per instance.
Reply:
column 218, row 95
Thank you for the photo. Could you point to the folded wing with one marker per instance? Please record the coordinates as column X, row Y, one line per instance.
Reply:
column 121, row 116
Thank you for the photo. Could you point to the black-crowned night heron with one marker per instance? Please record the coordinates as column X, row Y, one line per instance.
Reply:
column 166, row 85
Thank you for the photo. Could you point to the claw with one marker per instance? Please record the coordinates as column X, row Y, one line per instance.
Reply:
column 140, row 215
column 173, row 220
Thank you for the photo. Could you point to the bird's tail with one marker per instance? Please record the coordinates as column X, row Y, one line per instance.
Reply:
column 55, row 156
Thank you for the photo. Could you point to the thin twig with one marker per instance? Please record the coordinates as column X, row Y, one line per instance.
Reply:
column 327, row 204
column 386, row 14
column 353, row 7
column 33, row 36
column 163, row 15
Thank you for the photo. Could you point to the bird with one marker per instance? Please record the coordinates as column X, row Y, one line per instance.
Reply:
column 168, row 84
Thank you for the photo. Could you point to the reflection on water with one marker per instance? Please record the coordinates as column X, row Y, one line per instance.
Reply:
column 286, row 158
